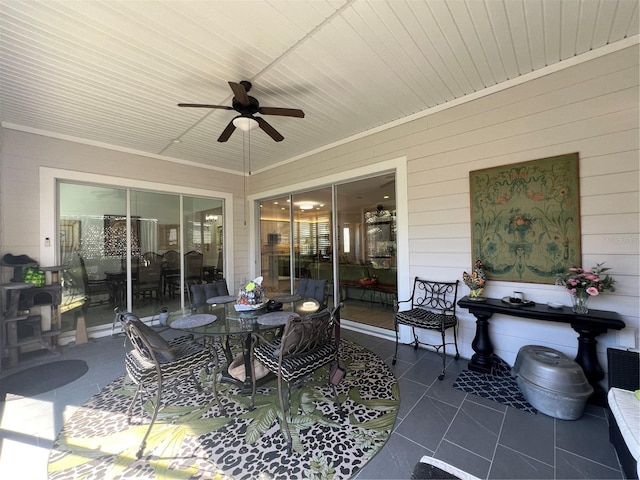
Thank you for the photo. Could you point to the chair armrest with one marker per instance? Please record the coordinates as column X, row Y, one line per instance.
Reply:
column 396, row 303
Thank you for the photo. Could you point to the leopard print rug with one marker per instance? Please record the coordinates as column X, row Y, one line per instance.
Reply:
column 193, row 440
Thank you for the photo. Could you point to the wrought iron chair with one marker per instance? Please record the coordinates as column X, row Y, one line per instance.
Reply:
column 154, row 362
column 305, row 345
column 432, row 307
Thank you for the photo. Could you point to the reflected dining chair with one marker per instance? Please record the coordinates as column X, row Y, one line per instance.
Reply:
column 171, row 272
column 193, row 262
column 432, row 306
column 149, row 278
column 95, row 290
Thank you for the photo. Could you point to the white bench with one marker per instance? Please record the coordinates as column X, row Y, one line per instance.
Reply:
column 625, row 410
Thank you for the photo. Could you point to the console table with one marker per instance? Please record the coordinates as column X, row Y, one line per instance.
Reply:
column 587, row 326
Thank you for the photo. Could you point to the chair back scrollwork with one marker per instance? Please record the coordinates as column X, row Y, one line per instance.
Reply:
column 438, row 296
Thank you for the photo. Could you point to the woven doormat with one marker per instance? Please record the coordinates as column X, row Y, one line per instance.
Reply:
column 498, row 386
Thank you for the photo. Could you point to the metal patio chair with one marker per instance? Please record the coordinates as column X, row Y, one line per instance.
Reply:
column 307, row 343
column 432, row 307
column 155, row 362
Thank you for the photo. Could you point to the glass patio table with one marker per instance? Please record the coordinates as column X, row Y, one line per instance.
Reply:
column 221, row 320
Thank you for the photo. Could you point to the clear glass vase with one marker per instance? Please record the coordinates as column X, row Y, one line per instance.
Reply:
column 580, row 302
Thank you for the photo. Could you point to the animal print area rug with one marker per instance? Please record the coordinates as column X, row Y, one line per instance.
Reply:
column 192, row 440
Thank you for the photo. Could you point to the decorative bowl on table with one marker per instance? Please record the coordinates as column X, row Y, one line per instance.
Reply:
column 246, row 308
column 252, row 297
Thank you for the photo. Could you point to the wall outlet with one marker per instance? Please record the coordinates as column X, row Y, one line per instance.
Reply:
column 627, row 337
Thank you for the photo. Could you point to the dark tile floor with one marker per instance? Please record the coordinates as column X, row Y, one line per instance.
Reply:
column 481, row 437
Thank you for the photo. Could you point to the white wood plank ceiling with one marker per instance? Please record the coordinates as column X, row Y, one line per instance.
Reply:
column 112, row 72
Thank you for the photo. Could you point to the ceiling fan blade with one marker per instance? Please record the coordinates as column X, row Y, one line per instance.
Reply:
column 226, row 133
column 269, row 130
column 240, row 94
column 202, row 105
column 285, row 112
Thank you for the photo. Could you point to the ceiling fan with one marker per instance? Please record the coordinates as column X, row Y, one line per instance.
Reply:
column 247, row 106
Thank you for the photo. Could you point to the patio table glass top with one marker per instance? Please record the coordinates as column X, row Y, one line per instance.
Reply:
column 228, row 321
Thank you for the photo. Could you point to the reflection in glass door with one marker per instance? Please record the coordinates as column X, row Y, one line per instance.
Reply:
column 137, row 264
column 312, row 235
column 202, row 220
column 93, row 250
column 356, row 254
column 366, row 254
column 155, row 222
column 275, row 245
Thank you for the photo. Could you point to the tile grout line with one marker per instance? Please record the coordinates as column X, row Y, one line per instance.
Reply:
column 495, row 449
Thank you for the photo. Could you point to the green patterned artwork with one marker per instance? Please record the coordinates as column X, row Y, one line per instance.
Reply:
column 525, row 219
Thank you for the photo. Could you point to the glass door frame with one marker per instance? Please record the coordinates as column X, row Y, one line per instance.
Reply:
column 399, row 165
column 49, row 178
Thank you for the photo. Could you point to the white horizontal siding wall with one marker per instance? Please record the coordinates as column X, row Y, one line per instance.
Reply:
column 23, row 154
column 590, row 108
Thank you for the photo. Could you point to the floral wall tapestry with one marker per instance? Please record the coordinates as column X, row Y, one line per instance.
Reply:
column 525, row 219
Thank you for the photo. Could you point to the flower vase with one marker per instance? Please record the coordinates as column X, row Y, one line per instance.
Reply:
column 475, row 294
column 580, row 301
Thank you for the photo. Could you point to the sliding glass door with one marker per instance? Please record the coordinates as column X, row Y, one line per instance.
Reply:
column 355, row 252
column 276, row 245
column 132, row 249
column 366, row 253
column 312, row 212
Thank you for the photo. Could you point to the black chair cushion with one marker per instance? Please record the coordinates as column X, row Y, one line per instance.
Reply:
column 160, row 346
column 187, row 355
column 198, row 295
column 217, row 288
column 312, row 288
column 423, row 318
column 294, row 366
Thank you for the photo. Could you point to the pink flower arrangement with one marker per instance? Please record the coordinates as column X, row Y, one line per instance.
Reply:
column 593, row 281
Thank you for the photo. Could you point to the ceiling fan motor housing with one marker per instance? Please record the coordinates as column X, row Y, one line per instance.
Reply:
column 245, row 110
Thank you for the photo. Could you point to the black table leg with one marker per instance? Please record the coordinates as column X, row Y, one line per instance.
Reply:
column 587, row 358
column 481, row 361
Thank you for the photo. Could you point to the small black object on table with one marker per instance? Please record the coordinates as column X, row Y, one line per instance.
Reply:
column 588, row 326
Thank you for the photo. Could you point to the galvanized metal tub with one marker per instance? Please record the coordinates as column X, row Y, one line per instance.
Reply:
column 551, row 382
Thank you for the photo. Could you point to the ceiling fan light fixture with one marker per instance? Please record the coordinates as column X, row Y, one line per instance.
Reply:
column 245, row 123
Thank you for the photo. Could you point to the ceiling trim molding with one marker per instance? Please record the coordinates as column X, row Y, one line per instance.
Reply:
column 108, row 146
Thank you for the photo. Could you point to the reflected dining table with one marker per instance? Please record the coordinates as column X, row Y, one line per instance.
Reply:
column 220, row 319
